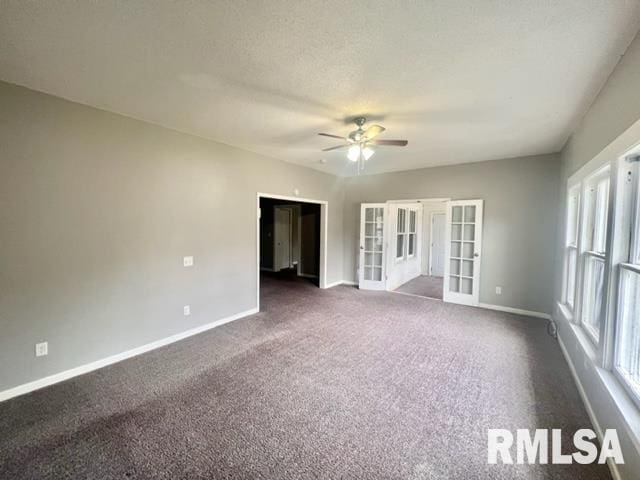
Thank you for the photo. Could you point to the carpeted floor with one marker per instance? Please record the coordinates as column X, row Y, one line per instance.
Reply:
column 337, row 383
column 424, row 286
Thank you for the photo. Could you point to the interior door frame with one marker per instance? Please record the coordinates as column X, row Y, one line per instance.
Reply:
column 396, row 268
column 324, row 221
column 472, row 299
column 431, row 215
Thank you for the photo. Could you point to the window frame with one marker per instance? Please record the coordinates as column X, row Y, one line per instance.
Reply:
column 589, row 214
column 412, row 232
column 629, row 262
column 401, row 234
column 571, row 243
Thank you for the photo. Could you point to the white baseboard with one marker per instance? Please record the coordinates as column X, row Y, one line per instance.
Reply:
column 74, row 372
column 340, row 282
column 613, row 467
column 517, row 311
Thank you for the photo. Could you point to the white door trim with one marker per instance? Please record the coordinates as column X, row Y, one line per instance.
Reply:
column 324, row 221
column 431, row 215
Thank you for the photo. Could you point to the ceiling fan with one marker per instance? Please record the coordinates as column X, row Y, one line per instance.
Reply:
column 361, row 141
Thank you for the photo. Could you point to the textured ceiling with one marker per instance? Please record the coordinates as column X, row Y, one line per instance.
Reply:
column 461, row 80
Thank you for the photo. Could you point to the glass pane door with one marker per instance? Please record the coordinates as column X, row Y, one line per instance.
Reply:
column 371, row 268
column 464, row 225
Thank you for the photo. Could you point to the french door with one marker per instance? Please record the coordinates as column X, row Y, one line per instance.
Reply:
column 371, row 271
column 463, row 252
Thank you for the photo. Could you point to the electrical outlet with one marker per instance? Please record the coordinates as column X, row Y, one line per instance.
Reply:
column 187, row 310
column 42, row 349
column 498, row 290
column 187, row 261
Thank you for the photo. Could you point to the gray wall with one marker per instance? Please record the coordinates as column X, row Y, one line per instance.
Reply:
column 615, row 109
column 520, row 200
column 97, row 211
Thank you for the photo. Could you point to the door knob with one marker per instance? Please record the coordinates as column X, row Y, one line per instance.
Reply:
column 476, row 254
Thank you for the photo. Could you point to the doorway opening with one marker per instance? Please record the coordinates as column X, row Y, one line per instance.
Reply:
column 431, row 239
column 426, row 247
column 291, row 240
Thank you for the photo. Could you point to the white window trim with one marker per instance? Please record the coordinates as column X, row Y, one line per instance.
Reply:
column 574, row 189
column 593, row 336
column 412, row 232
column 629, row 253
column 602, row 352
column 632, row 390
column 401, row 258
column 588, row 178
column 629, row 410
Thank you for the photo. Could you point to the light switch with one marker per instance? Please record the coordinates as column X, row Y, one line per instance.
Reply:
column 188, row 261
column 42, row 349
column 498, row 290
column 187, row 310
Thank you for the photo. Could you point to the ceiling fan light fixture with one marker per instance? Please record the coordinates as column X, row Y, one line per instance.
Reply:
column 354, row 153
column 367, row 152
column 360, row 141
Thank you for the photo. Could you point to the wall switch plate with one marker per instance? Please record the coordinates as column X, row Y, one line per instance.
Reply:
column 186, row 310
column 42, row 349
column 187, row 261
column 498, row 290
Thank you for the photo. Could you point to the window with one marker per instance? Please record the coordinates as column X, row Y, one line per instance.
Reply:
column 412, row 233
column 627, row 357
column 602, row 266
column 594, row 252
column 401, row 233
column 571, row 247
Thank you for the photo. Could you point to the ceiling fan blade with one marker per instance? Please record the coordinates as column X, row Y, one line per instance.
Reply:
column 393, row 143
column 335, row 148
column 330, row 135
column 372, row 131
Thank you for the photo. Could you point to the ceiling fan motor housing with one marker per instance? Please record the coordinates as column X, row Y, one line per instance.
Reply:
column 359, row 121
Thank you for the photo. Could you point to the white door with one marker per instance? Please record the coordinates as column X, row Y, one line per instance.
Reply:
column 438, row 225
column 282, row 238
column 463, row 252
column 371, row 267
column 405, row 245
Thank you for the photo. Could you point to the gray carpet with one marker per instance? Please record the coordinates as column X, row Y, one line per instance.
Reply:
column 336, row 383
column 424, row 286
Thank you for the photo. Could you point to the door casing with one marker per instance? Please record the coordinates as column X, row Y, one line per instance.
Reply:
column 432, row 243
column 400, row 271
column 324, row 221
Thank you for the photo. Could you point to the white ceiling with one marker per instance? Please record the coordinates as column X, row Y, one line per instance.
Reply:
column 461, row 80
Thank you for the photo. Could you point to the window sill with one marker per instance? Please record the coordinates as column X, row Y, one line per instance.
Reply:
column 584, row 338
column 566, row 313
